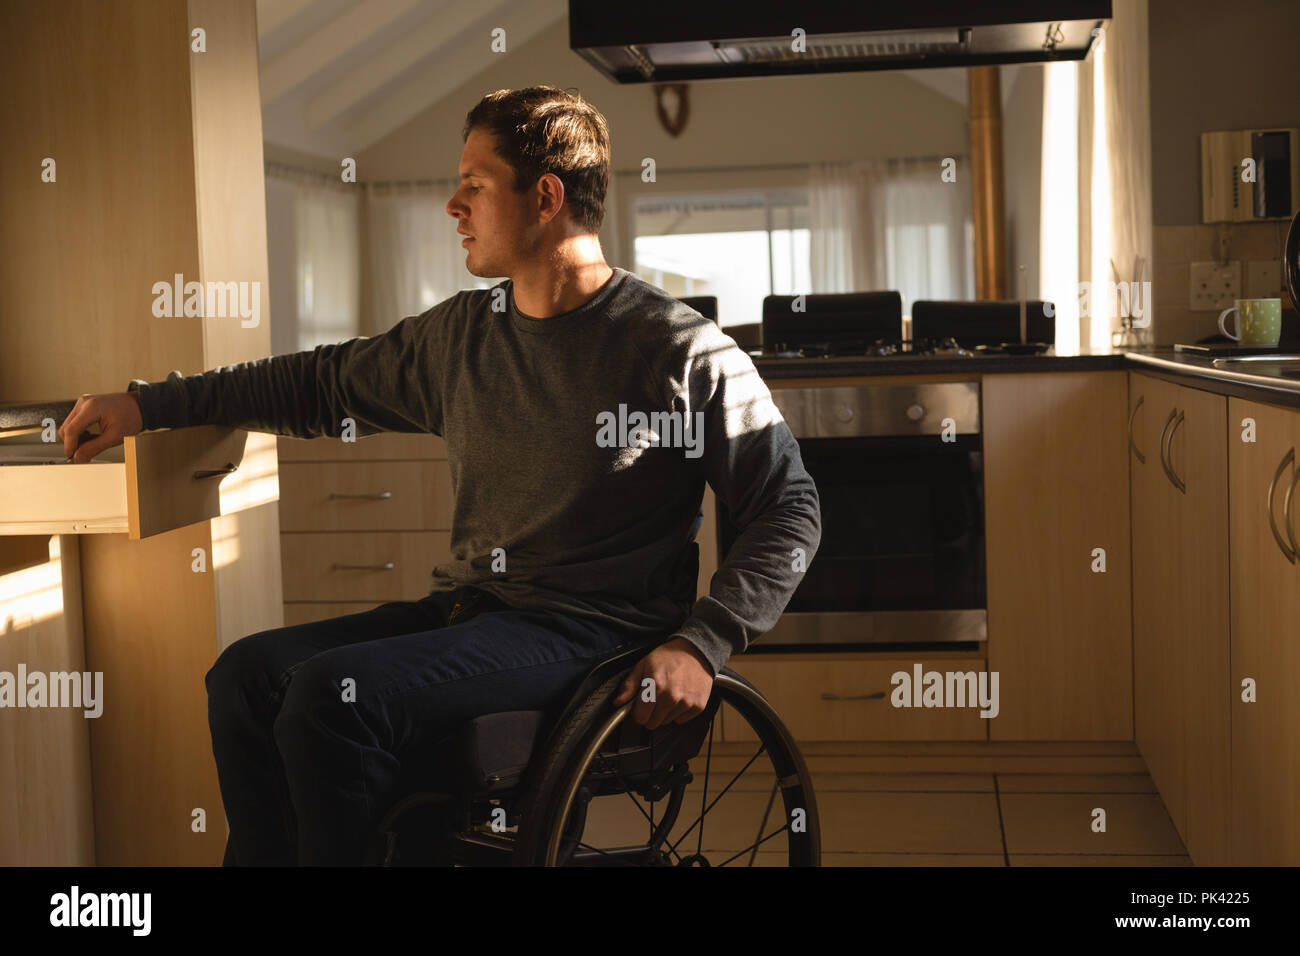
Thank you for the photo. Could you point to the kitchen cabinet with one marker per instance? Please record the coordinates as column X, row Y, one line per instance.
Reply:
column 153, row 482
column 1265, row 592
column 128, row 567
column 849, row 696
column 1158, row 668
column 1178, row 444
column 361, row 522
column 1056, row 489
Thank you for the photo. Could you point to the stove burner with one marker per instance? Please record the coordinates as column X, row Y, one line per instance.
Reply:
column 880, row 348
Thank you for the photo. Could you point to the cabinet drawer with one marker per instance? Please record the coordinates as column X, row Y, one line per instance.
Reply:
column 351, row 566
column 390, row 445
column 349, row 496
column 795, row 687
column 155, row 481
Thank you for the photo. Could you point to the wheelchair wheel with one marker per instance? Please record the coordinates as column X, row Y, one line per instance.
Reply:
column 611, row 793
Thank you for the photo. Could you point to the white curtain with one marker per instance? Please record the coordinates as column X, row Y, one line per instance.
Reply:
column 891, row 224
column 846, row 247
column 314, row 260
column 415, row 257
column 929, row 232
column 1114, row 123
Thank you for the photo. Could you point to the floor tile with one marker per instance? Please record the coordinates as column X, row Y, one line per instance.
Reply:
column 1062, row 823
column 1075, row 783
column 1116, row 859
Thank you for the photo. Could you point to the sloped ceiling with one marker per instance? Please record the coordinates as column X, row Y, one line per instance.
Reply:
column 337, row 75
column 952, row 82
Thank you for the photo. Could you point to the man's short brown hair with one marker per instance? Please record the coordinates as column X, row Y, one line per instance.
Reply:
column 542, row 129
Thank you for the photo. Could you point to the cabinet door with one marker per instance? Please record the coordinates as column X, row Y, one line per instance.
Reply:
column 1264, row 612
column 1056, row 487
column 1197, row 456
column 1157, row 670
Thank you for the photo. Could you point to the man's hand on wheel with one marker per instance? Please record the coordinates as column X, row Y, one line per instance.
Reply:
column 682, row 679
column 118, row 415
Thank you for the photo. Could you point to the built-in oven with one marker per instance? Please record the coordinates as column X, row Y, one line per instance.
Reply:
column 899, row 470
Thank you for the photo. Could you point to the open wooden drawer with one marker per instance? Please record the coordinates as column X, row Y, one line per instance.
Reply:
column 155, row 481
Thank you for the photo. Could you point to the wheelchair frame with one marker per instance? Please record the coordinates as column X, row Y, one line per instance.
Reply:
column 559, row 780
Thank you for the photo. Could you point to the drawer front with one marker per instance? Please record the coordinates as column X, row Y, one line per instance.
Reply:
column 795, row 688
column 350, row 496
column 390, row 445
column 153, row 482
column 351, row 566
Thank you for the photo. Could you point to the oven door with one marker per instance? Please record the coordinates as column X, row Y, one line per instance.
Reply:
column 901, row 559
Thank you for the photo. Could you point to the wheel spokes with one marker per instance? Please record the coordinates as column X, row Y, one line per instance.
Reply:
column 614, row 764
column 754, row 846
column 699, row 820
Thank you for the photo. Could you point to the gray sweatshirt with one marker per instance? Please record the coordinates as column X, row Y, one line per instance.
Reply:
column 578, row 444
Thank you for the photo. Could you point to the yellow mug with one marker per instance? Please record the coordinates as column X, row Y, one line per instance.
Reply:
column 1259, row 321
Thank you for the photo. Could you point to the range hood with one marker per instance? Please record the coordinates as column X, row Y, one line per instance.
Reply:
column 677, row 40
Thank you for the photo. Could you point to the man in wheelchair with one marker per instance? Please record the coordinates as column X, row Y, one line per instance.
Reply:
column 583, row 410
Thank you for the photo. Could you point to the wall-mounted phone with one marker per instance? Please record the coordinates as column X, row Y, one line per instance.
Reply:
column 1250, row 174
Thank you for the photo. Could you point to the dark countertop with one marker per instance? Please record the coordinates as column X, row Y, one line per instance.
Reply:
column 771, row 368
column 1259, row 381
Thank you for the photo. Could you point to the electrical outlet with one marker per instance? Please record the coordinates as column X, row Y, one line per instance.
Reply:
column 1214, row 287
column 1263, row 279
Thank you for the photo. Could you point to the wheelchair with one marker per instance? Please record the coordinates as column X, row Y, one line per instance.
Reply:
column 553, row 788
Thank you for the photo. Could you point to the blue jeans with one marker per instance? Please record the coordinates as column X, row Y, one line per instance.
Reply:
column 318, row 729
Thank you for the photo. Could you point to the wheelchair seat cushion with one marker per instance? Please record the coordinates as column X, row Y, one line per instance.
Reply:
column 490, row 753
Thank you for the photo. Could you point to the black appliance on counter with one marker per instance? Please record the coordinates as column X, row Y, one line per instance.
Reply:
column 1291, row 263
column 833, row 323
column 989, row 323
column 706, row 305
column 870, row 324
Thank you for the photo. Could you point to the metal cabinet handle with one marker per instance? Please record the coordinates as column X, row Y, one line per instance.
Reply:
column 878, row 695
column 1286, row 510
column 386, row 566
column 225, row 469
column 1131, row 444
column 1164, row 437
column 370, row 497
column 1173, row 475
column 1287, row 459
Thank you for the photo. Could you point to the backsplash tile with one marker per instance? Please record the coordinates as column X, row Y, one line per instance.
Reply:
column 1176, row 247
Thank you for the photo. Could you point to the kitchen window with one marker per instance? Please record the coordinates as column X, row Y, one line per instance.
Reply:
column 876, row 224
column 738, row 246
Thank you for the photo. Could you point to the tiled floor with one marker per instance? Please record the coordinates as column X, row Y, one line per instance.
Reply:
column 932, row 804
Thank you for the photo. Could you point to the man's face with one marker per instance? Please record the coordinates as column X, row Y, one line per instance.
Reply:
column 500, row 222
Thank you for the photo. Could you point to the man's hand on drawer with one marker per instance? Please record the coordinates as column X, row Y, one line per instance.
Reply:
column 117, row 414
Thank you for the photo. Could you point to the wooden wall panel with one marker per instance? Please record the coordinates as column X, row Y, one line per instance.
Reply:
column 45, row 806
column 104, row 92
